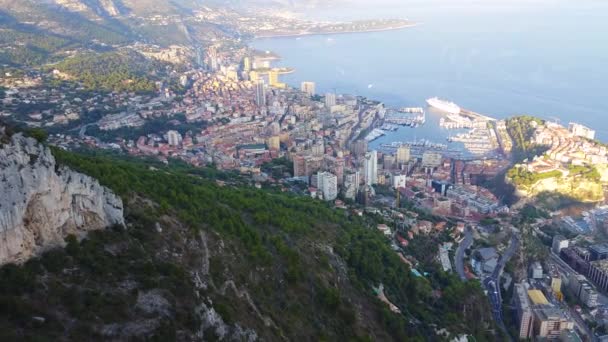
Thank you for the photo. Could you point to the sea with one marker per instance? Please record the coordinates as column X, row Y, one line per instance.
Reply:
column 547, row 58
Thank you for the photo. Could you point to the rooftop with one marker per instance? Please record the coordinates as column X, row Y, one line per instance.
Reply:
column 602, row 265
column 487, row 253
column 599, row 249
column 537, row 297
column 551, row 314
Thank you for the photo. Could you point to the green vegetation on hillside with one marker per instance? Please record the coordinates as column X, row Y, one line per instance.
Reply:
column 33, row 49
column 587, row 172
column 70, row 25
column 276, row 232
column 521, row 130
column 112, row 71
column 522, row 177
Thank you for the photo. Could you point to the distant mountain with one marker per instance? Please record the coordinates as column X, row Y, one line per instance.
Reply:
column 286, row 4
column 33, row 32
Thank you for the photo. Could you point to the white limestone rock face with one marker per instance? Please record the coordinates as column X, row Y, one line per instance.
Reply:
column 40, row 203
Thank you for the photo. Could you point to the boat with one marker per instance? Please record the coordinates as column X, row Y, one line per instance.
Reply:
column 412, row 110
column 444, row 106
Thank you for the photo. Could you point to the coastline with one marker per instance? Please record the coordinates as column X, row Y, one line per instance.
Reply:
column 305, row 34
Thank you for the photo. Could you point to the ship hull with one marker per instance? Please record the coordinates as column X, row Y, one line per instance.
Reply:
column 443, row 106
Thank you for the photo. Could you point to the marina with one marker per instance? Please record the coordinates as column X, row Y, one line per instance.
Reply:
column 471, row 134
column 403, row 117
column 419, row 147
column 374, row 134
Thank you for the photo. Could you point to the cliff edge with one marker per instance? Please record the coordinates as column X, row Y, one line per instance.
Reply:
column 41, row 203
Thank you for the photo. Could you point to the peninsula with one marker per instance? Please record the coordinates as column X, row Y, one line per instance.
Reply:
column 306, row 28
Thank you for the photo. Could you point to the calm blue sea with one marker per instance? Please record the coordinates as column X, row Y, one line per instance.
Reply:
column 547, row 58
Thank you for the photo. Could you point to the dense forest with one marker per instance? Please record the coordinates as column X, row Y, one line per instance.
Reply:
column 296, row 245
column 112, row 71
column 308, row 270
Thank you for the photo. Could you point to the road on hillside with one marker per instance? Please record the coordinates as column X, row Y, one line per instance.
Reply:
column 492, row 283
column 462, row 247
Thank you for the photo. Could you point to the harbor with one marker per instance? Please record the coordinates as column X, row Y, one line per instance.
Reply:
column 419, row 147
column 443, row 127
column 408, row 116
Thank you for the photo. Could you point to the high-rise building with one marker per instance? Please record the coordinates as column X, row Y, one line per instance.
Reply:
column 260, row 93
column 556, row 284
column 273, row 78
column 299, row 166
column 524, row 311
column 351, row 185
column 246, row 64
column 583, row 290
column 370, row 168
column 174, row 138
column 308, row 88
column 588, row 295
column 388, row 162
column 403, row 155
column 330, row 100
column 335, row 166
column 318, row 149
column 328, row 184
column 254, row 76
column 274, row 143
column 549, row 322
column 431, row 159
column 359, row 147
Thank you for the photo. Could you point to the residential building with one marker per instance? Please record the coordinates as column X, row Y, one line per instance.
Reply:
column 536, row 270
column 246, row 64
column 588, row 295
column 308, row 88
column 388, row 162
column 330, row 100
column 174, row 138
column 549, row 322
column 370, row 168
column 524, row 311
column 403, row 155
column 351, row 185
column 359, row 148
column 328, row 184
column 274, row 143
column 598, row 273
column 431, row 159
column 559, row 243
column 581, row 131
column 260, row 93
column 273, row 78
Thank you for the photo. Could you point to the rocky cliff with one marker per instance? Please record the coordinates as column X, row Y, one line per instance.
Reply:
column 41, row 203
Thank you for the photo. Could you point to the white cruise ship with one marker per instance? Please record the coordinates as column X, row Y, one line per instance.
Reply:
column 445, row 106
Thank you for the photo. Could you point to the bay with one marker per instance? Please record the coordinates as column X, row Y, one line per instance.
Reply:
column 546, row 58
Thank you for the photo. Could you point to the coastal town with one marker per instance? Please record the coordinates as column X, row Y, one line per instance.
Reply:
column 544, row 269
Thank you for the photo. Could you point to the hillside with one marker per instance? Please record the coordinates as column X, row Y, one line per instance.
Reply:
column 48, row 31
column 205, row 256
column 550, row 159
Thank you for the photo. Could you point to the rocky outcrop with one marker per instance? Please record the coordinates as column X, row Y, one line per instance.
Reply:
column 41, row 203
